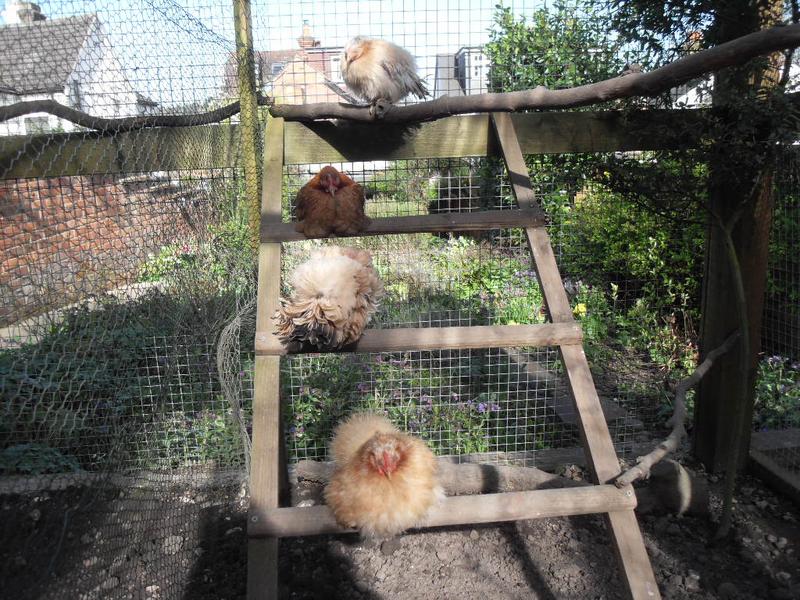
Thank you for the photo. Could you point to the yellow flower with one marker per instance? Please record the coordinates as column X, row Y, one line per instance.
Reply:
column 579, row 310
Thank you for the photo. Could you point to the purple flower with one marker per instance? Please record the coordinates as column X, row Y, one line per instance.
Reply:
column 301, row 390
column 454, row 396
column 379, row 359
column 427, row 399
column 363, row 387
column 495, row 408
column 241, row 373
column 774, row 361
column 481, row 408
column 796, row 366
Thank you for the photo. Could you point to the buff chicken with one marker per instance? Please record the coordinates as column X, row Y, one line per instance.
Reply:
column 384, row 481
column 335, row 294
column 377, row 70
column 330, row 203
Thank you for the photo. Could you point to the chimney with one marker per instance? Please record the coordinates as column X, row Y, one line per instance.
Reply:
column 306, row 40
column 24, row 13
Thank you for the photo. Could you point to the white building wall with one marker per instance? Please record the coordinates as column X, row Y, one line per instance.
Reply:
column 98, row 84
column 34, row 122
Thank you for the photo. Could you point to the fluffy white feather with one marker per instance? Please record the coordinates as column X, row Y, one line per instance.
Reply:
column 335, row 294
column 376, row 69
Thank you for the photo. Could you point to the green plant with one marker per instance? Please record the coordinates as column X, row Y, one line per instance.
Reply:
column 168, row 260
column 182, row 439
column 35, row 459
column 777, row 403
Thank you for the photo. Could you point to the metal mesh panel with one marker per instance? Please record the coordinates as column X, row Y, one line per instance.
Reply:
column 447, row 280
column 776, row 415
column 127, row 284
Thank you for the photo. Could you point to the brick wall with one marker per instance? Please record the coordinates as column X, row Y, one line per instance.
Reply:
column 63, row 239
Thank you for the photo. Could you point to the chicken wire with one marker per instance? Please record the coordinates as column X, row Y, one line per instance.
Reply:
column 503, row 404
column 126, row 297
column 777, row 418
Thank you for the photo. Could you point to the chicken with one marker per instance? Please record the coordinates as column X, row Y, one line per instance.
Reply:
column 331, row 202
column 335, row 294
column 384, row 481
column 349, row 200
column 377, row 70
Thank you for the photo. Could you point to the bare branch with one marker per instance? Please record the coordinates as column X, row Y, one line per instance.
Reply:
column 464, row 478
column 83, row 119
column 731, row 53
column 735, row 52
column 678, row 419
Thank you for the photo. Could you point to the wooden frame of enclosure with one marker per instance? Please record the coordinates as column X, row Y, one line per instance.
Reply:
column 287, row 143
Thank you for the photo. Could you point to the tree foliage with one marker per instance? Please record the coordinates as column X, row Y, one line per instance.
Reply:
column 560, row 46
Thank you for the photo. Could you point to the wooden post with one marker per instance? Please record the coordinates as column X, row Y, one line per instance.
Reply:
column 249, row 114
column 600, row 454
column 740, row 192
column 265, row 464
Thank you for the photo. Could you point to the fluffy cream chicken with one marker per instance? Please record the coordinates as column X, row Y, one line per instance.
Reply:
column 384, row 481
column 378, row 70
column 335, row 294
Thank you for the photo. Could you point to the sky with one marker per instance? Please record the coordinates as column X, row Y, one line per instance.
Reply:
column 174, row 51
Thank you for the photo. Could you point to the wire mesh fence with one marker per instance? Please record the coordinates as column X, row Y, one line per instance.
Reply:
column 127, row 282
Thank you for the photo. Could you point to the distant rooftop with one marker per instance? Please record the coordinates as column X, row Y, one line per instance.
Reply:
column 38, row 57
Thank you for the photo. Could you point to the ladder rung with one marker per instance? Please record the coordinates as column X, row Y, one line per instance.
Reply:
column 449, row 221
column 460, row 510
column 439, row 338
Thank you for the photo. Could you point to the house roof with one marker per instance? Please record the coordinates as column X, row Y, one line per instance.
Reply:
column 38, row 57
column 299, row 82
column 318, row 58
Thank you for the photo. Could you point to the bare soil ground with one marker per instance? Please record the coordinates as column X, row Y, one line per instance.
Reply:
column 125, row 544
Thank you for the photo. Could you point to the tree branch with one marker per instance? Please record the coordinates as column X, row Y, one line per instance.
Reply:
column 732, row 467
column 83, row 119
column 689, row 67
column 678, row 419
column 735, row 52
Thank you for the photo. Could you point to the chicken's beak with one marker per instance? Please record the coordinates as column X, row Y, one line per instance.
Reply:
column 388, row 466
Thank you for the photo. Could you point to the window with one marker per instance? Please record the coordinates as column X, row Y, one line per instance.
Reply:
column 35, row 125
column 277, row 68
column 336, row 69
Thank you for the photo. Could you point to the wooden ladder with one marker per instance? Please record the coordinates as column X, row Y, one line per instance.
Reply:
column 269, row 521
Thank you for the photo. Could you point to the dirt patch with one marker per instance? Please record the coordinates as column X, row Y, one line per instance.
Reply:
column 151, row 544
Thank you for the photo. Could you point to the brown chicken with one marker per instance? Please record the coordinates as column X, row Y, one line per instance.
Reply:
column 330, row 203
column 335, row 294
column 384, row 481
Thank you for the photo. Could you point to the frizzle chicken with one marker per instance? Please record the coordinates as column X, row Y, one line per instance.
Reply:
column 376, row 70
column 335, row 293
column 330, row 203
column 384, row 481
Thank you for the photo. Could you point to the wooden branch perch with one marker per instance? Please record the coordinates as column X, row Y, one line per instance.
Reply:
column 83, row 119
column 678, row 419
column 665, row 494
column 458, row 479
column 735, row 52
